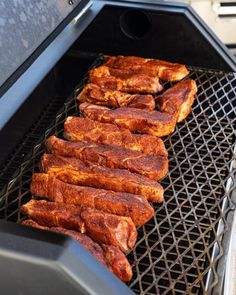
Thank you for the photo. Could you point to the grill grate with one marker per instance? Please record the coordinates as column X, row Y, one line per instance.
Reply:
column 178, row 250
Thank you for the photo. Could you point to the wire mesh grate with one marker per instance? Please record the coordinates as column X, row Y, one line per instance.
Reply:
column 178, row 250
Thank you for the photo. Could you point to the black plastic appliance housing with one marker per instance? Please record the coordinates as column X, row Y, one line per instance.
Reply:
column 34, row 261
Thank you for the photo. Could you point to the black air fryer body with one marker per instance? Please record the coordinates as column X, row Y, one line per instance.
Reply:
column 37, row 262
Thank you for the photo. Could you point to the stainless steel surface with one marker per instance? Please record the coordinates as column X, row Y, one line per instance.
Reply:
column 177, row 251
column 24, row 25
column 16, row 95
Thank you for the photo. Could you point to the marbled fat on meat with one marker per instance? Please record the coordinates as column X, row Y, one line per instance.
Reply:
column 178, row 99
column 113, row 98
column 165, row 70
column 102, row 227
column 85, row 129
column 136, row 120
column 124, row 80
column 123, row 204
column 74, row 171
column 152, row 166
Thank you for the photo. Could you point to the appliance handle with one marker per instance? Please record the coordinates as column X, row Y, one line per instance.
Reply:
column 82, row 12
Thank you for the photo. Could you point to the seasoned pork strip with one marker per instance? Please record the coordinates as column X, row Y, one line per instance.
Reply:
column 136, row 120
column 110, row 229
column 108, row 255
column 49, row 214
column 73, row 171
column 113, row 98
column 166, row 71
column 151, row 166
column 123, row 204
column 84, row 129
column 178, row 99
column 102, row 227
column 118, row 262
column 124, row 80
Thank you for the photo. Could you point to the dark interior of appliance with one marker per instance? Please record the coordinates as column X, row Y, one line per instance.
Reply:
column 171, row 37
column 168, row 36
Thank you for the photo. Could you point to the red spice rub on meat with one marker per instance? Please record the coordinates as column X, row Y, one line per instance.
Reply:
column 136, row 120
column 152, row 166
column 113, row 98
column 165, row 70
column 124, row 80
column 85, row 129
column 103, row 227
column 73, row 171
column 123, row 204
column 178, row 99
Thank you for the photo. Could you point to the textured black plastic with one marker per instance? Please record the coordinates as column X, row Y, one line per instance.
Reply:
column 173, row 255
column 35, row 262
column 176, row 33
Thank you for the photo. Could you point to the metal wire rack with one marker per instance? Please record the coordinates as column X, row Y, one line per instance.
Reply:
column 178, row 250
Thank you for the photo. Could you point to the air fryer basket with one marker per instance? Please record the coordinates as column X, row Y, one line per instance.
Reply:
column 178, row 250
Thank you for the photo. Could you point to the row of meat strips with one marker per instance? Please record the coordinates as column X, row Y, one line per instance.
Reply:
column 98, row 182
